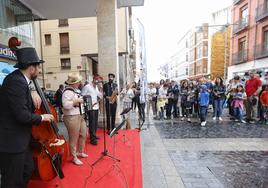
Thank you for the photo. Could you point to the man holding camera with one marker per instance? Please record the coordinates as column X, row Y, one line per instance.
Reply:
column 253, row 88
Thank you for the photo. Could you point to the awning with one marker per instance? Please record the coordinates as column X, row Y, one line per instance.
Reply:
column 59, row 9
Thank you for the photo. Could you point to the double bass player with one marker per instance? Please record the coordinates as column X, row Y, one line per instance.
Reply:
column 16, row 119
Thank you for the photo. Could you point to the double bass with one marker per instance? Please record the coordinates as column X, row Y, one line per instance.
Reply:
column 49, row 148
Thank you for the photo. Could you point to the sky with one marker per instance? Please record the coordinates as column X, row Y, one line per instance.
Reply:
column 165, row 22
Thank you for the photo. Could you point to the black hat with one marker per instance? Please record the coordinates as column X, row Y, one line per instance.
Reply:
column 27, row 56
column 111, row 74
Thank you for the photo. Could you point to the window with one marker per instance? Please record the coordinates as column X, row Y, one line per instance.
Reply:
column 242, row 44
column 265, row 5
column 205, row 50
column 64, row 43
column 63, row 22
column 48, row 39
column 199, row 52
column 265, row 38
column 244, row 14
column 65, row 63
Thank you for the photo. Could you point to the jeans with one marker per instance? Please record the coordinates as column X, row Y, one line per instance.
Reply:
column 218, row 106
column 238, row 113
column 203, row 110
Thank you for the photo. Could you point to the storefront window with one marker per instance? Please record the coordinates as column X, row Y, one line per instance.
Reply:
column 5, row 69
column 16, row 20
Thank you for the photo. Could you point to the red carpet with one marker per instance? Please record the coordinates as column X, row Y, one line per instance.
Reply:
column 126, row 174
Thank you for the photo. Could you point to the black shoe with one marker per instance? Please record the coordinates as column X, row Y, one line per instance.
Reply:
column 97, row 138
column 94, row 142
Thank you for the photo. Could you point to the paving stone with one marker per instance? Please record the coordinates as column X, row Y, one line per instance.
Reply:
column 212, row 130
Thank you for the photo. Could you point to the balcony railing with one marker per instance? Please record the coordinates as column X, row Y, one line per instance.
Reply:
column 64, row 50
column 261, row 12
column 236, row 2
column 240, row 57
column 240, row 25
column 261, row 50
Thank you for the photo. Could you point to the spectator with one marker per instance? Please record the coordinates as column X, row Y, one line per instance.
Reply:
column 253, row 88
column 264, row 103
column 173, row 95
column 231, row 90
column 238, row 103
column 218, row 92
column 151, row 99
column 58, row 98
column 203, row 100
column 162, row 100
column 185, row 101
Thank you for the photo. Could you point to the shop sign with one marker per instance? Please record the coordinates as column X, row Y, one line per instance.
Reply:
column 6, row 53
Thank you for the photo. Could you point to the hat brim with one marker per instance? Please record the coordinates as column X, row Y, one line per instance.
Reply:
column 20, row 65
column 71, row 83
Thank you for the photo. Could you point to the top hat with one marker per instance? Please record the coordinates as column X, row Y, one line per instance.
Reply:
column 26, row 57
column 73, row 78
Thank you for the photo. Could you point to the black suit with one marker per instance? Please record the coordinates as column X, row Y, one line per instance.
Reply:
column 108, row 89
column 16, row 120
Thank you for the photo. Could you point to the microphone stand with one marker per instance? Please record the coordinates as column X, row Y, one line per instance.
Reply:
column 105, row 151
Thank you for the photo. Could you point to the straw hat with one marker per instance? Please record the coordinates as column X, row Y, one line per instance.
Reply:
column 73, row 78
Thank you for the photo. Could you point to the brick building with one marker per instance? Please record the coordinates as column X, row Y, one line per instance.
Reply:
column 249, row 43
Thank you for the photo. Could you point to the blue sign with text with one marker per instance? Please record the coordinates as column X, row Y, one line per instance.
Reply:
column 6, row 53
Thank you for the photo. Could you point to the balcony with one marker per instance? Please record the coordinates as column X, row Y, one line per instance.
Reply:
column 240, row 57
column 261, row 51
column 236, row 2
column 261, row 12
column 64, row 50
column 240, row 25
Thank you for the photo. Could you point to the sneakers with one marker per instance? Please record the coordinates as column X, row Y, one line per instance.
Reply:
column 83, row 155
column 182, row 118
column 189, row 120
column 220, row 118
column 214, row 118
column 243, row 121
column 203, row 123
column 76, row 161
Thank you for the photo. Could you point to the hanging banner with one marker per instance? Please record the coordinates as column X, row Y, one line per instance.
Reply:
column 143, row 63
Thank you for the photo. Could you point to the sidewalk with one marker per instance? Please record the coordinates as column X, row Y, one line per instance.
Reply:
column 223, row 154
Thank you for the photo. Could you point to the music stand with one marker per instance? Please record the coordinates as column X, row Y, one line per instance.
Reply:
column 113, row 135
column 123, row 113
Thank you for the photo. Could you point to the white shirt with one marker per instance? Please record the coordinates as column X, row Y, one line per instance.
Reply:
column 27, row 79
column 68, row 98
column 128, row 95
column 89, row 89
column 162, row 92
column 151, row 93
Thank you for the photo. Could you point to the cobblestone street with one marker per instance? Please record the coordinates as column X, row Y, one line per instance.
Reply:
column 222, row 154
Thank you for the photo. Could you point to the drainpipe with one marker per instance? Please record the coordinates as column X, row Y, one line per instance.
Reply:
column 255, row 39
column 41, row 53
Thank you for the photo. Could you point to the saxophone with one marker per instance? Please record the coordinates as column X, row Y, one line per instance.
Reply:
column 113, row 97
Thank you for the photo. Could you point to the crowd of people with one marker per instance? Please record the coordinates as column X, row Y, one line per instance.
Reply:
column 246, row 98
